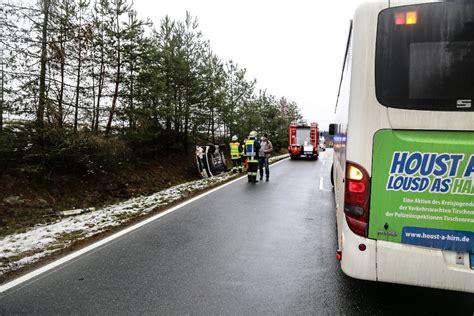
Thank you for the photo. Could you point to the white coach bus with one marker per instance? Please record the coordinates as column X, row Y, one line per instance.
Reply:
column 403, row 168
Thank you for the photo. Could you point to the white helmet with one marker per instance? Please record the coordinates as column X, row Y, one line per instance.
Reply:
column 253, row 134
column 234, row 138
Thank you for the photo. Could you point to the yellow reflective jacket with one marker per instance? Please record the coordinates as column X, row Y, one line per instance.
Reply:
column 235, row 150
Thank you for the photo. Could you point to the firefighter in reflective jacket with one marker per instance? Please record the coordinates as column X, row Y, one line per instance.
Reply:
column 236, row 155
column 252, row 147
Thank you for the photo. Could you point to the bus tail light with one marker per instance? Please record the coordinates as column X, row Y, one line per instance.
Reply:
column 411, row 17
column 356, row 198
column 406, row 18
column 338, row 255
column 400, row 18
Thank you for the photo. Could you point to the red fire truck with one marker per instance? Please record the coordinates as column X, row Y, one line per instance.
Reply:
column 303, row 140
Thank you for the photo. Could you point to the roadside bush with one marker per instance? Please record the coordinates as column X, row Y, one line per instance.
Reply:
column 151, row 143
column 15, row 142
column 60, row 150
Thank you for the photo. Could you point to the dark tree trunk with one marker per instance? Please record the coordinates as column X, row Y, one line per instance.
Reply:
column 78, row 82
column 95, row 125
column 115, row 97
column 131, row 115
column 1, row 92
column 99, row 92
column 117, row 82
column 60, row 114
column 61, row 89
column 186, row 127
column 42, row 79
column 93, row 93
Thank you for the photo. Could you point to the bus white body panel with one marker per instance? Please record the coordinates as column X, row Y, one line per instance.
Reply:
column 358, row 117
column 356, row 263
column 414, row 265
column 404, row 119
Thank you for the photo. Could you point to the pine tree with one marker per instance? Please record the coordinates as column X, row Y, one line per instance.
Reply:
column 116, row 10
column 134, row 48
column 239, row 93
column 42, row 79
column 99, row 55
column 80, row 38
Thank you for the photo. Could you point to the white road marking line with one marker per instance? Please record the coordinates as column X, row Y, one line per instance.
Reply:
column 321, row 180
column 324, row 162
column 82, row 251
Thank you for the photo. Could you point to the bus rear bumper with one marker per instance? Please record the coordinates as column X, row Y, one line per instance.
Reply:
column 355, row 262
column 420, row 266
column 405, row 264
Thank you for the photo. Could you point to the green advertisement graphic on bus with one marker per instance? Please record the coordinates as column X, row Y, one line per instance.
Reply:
column 423, row 189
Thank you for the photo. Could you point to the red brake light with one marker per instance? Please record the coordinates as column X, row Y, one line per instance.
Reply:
column 399, row 18
column 356, row 187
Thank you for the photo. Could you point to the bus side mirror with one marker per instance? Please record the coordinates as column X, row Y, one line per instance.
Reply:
column 332, row 129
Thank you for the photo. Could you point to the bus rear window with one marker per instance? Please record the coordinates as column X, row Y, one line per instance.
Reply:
column 425, row 57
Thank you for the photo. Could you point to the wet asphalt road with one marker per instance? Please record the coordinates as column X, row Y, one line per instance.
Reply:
column 266, row 248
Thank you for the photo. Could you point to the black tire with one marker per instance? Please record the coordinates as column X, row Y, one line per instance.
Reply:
column 332, row 175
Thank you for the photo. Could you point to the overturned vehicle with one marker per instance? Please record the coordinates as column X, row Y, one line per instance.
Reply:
column 210, row 160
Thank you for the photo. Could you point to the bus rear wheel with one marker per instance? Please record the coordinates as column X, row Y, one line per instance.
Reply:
column 332, row 175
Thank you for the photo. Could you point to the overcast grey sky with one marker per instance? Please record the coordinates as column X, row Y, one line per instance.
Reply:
column 293, row 48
